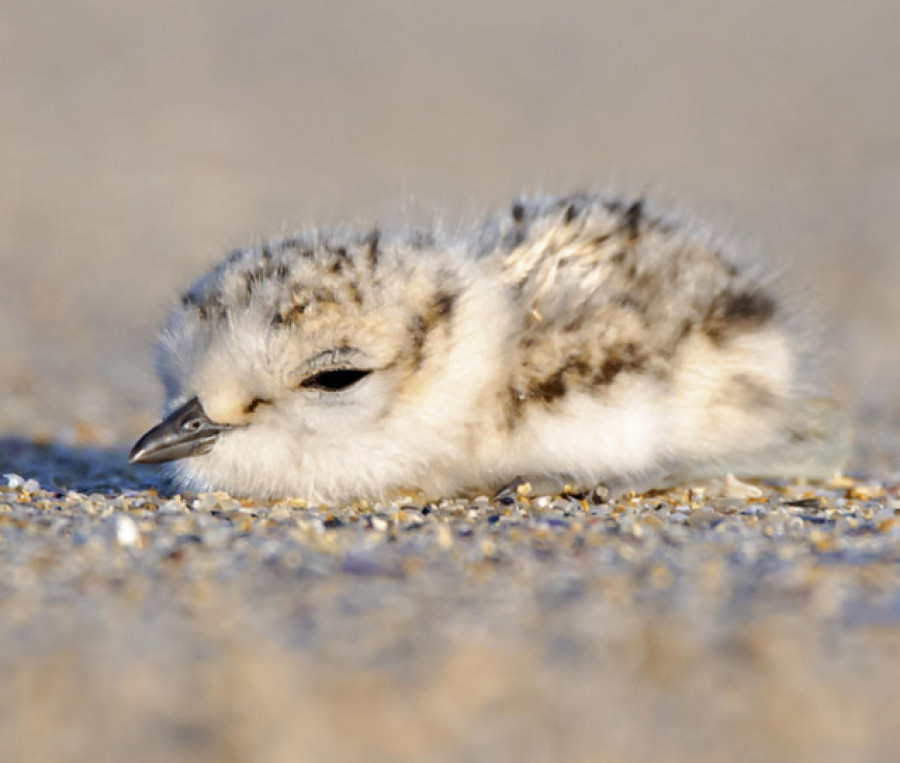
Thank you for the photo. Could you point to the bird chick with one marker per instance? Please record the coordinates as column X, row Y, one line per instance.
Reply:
column 573, row 340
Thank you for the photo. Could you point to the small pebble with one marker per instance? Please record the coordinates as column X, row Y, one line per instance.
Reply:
column 125, row 530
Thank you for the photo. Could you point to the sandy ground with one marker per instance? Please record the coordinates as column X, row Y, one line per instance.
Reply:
column 140, row 142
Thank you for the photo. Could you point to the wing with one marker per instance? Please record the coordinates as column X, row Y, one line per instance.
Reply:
column 605, row 287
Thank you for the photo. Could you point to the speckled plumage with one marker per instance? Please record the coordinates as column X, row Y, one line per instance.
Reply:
column 576, row 340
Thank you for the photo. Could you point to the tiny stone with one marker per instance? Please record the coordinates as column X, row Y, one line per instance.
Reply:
column 172, row 507
column 735, row 488
column 378, row 524
column 125, row 530
column 14, row 481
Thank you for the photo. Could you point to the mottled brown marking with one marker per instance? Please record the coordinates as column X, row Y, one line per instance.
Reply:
column 627, row 358
column 549, row 389
column 444, row 305
column 299, row 246
column 753, row 306
column 324, row 297
column 355, row 294
column 737, row 311
column 289, row 316
column 252, row 278
column 418, row 332
column 574, row 205
column 610, row 369
column 632, row 218
column 372, row 241
column 295, row 313
column 208, row 307
column 440, row 311
column 601, row 239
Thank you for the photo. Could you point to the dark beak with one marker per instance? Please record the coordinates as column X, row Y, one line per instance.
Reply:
column 186, row 432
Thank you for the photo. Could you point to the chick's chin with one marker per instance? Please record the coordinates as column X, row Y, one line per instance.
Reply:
column 243, row 463
column 205, row 474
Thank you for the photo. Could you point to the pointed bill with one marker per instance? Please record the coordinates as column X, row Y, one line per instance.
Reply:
column 186, row 432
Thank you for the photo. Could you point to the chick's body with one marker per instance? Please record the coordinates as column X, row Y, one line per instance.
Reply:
column 572, row 340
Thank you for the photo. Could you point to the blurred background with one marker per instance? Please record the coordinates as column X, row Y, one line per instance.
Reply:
column 140, row 141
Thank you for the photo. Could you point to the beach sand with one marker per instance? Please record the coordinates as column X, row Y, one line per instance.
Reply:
column 140, row 143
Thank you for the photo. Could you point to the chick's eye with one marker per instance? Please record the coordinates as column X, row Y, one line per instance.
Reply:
column 334, row 381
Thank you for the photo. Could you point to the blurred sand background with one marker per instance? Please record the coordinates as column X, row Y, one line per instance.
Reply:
column 139, row 142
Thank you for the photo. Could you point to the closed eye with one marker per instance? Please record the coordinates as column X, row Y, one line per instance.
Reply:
column 336, row 380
